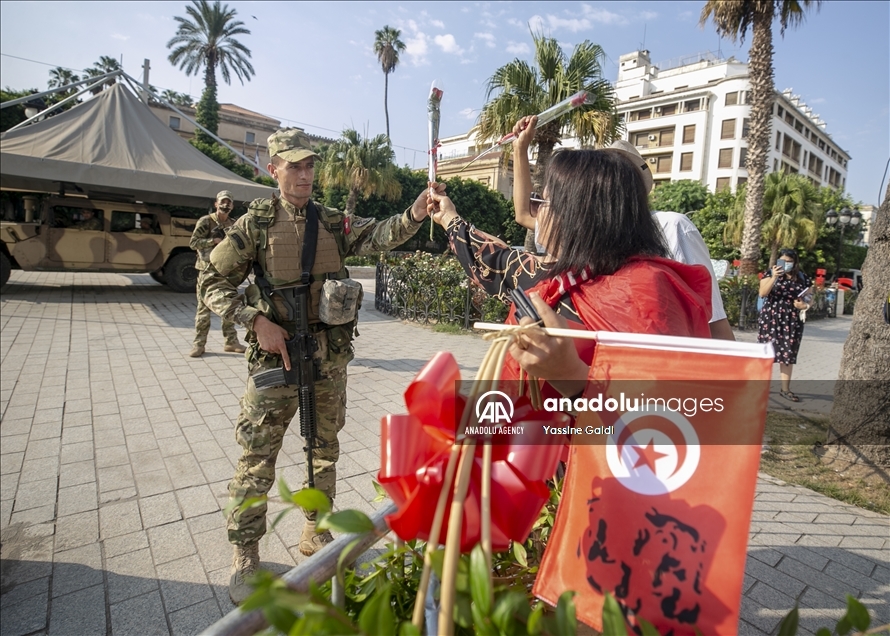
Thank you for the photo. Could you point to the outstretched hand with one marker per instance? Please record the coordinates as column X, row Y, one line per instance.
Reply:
column 420, row 207
column 524, row 129
column 440, row 207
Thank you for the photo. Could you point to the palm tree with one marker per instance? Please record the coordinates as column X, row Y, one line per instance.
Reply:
column 207, row 40
column 732, row 19
column 105, row 65
column 527, row 90
column 792, row 215
column 387, row 46
column 362, row 166
column 60, row 76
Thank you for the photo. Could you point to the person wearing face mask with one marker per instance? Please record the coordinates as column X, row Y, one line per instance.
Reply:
column 785, row 291
column 209, row 232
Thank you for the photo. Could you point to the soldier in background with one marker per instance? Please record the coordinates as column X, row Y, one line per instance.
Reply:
column 269, row 240
column 89, row 221
column 209, row 232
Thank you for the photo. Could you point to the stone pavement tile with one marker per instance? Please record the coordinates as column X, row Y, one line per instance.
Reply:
column 183, row 583
column 77, row 530
column 74, row 434
column 881, row 575
column 154, row 482
column 820, row 540
column 8, row 487
column 137, row 426
column 140, row 616
column 205, row 523
column 47, row 425
column 78, row 405
column 868, row 586
column 878, row 608
column 813, row 557
column 11, row 462
column 24, row 608
column 77, row 569
column 824, row 603
column 170, row 542
column 814, row 578
column 42, row 448
column 184, row 471
column 147, row 461
column 274, row 556
column 187, row 418
column 130, row 575
column 878, row 543
column 218, row 469
column 197, row 433
column 77, row 452
column 214, row 549
column 81, row 612
column 108, row 437
column 115, row 478
column 124, row 544
column 20, row 412
column 15, row 444
column 106, row 421
column 34, row 494
column 796, row 517
column 219, row 581
column 775, row 577
column 76, row 499
column 196, row 501
column 207, row 450
column 171, row 446
column 122, row 494
column 119, row 518
column 139, row 442
column 15, row 427
column 34, row 516
column 352, row 500
column 76, row 474
column 836, row 518
column 764, row 606
column 158, row 510
column 768, row 556
column 131, row 411
column 348, row 466
column 194, row 619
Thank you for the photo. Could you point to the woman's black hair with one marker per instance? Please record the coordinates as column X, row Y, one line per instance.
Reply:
column 599, row 213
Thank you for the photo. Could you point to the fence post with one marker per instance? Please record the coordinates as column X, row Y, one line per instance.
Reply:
column 467, row 309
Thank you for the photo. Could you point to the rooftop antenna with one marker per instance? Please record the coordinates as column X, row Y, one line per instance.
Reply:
column 719, row 49
column 643, row 43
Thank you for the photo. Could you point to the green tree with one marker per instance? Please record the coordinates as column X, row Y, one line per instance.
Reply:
column 207, row 39
column 224, row 157
column 177, row 99
column 518, row 89
column 733, row 19
column 711, row 221
column 792, row 213
column 13, row 115
column 60, row 76
column 679, row 196
column 106, row 64
column 387, row 46
column 362, row 166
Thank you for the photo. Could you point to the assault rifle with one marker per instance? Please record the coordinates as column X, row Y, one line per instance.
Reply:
column 304, row 370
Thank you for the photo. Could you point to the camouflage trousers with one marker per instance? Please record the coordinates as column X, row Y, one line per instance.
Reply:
column 260, row 429
column 202, row 323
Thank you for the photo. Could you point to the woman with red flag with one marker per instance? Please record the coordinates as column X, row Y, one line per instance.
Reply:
column 609, row 271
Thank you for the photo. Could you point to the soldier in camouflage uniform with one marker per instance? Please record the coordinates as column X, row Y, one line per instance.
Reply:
column 269, row 238
column 89, row 221
column 209, row 232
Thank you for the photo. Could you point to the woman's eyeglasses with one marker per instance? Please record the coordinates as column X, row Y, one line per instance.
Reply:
column 535, row 202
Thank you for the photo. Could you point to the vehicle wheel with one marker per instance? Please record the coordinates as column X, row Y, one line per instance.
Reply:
column 5, row 269
column 159, row 276
column 181, row 274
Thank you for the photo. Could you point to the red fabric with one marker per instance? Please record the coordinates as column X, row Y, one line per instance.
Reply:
column 648, row 295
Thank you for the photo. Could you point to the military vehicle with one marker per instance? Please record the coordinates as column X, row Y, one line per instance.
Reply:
column 75, row 234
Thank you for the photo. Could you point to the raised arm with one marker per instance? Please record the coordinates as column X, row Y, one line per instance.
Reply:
column 522, row 178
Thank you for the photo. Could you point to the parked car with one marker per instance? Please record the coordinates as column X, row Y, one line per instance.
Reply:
column 76, row 234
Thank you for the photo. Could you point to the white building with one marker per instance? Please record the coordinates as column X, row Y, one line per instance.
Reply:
column 689, row 119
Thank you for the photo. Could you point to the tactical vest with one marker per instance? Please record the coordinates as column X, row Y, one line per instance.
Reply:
column 203, row 258
column 281, row 249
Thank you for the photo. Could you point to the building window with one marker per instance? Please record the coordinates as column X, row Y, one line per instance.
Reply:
column 691, row 105
column 798, row 125
column 781, row 111
column 743, row 97
column 724, row 159
column 746, row 127
column 789, row 118
column 727, row 130
column 637, row 115
column 778, row 141
column 686, row 162
column 723, row 183
column 670, row 109
column 732, row 99
column 174, row 123
column 663, row 164
column 654, row 138
column 743, row 157
column 689, row 134
column 821, row 145
column 740, row 182
column 249, row 138
column 775, row 165
column 791, row 148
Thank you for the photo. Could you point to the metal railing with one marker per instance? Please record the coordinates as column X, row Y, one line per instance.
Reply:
column 431, row 297
column 319, row 569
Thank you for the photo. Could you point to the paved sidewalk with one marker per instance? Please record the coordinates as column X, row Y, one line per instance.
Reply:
column 117, row 449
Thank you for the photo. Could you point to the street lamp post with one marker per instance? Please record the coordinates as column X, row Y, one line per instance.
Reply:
column 842, row 219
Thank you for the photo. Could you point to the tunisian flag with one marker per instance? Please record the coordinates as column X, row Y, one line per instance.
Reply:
column 656, row 510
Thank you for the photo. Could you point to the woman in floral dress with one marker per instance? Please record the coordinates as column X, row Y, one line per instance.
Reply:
column 785, row 290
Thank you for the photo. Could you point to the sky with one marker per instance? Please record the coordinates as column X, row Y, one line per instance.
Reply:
column 315, row 65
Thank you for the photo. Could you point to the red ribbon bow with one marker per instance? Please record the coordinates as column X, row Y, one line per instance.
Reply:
column 414, row 454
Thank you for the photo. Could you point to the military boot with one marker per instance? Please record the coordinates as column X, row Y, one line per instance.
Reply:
column 311, row 541
column 244, row 565
column 197, row 351
column 235, row 347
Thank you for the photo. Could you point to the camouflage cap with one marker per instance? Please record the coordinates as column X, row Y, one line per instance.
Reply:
column 225, row 194
column 628, row 150
column 291, row 144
